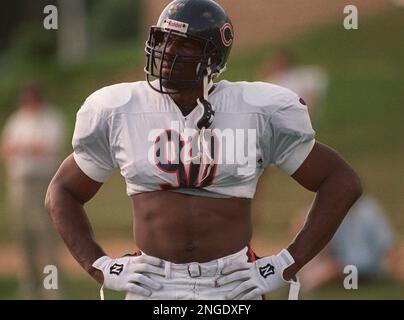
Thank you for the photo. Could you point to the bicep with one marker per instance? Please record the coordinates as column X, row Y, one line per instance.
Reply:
column 321, row 162
column 73, row 180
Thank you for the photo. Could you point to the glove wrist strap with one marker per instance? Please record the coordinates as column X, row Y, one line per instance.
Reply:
column 100, row 262
column 294, row 284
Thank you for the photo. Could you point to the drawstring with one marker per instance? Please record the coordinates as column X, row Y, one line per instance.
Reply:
column 167, row 269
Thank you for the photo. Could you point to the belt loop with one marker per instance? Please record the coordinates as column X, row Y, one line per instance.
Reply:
column 167, row 269
column 220, row 265
column 194, row 270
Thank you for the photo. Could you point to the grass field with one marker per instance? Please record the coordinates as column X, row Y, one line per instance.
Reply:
column 363, row 120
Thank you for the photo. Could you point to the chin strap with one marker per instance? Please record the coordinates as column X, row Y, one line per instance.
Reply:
column 207, row 83
column 206, row 119
column 207, row 115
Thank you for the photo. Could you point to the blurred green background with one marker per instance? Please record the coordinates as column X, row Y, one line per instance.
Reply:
column 363, row 120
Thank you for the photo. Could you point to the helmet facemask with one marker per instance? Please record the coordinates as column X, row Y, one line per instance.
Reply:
column 206, row 64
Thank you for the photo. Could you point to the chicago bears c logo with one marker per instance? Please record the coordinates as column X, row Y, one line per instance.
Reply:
column 226, row 32
column 116, row 269
column 267, row 270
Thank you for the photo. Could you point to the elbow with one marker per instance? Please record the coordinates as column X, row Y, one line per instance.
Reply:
column 359, row 189
column 354, row 185
column 49, row 202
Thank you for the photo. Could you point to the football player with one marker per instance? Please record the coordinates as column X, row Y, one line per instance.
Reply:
column 178, row 140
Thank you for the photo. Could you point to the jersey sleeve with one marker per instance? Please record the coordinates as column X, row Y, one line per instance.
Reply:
column 91, row 146
column 291, row 135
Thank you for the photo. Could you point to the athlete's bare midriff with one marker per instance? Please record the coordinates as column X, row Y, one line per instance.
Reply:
column 183, row 228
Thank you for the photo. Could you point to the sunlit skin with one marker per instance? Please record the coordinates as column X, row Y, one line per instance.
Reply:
column 183, row 228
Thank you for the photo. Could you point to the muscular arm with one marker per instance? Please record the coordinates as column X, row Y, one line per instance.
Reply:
column 337, row 187
column 67, row 193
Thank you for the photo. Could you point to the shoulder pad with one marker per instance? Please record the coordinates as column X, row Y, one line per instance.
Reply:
column 261, row 94
column 111, row 96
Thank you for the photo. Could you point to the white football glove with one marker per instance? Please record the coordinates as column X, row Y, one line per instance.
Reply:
column 130, row 273
column 259, row 277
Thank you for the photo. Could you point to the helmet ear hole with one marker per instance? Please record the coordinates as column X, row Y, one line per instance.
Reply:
column 215, row 62
column 213, row 53
column 216, row 59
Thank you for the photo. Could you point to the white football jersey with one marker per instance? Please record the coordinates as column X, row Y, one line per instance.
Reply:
column 143, row 133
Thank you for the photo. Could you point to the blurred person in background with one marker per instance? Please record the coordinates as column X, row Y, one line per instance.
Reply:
column 32, row 145
column 309, row 82
column 365, row 239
